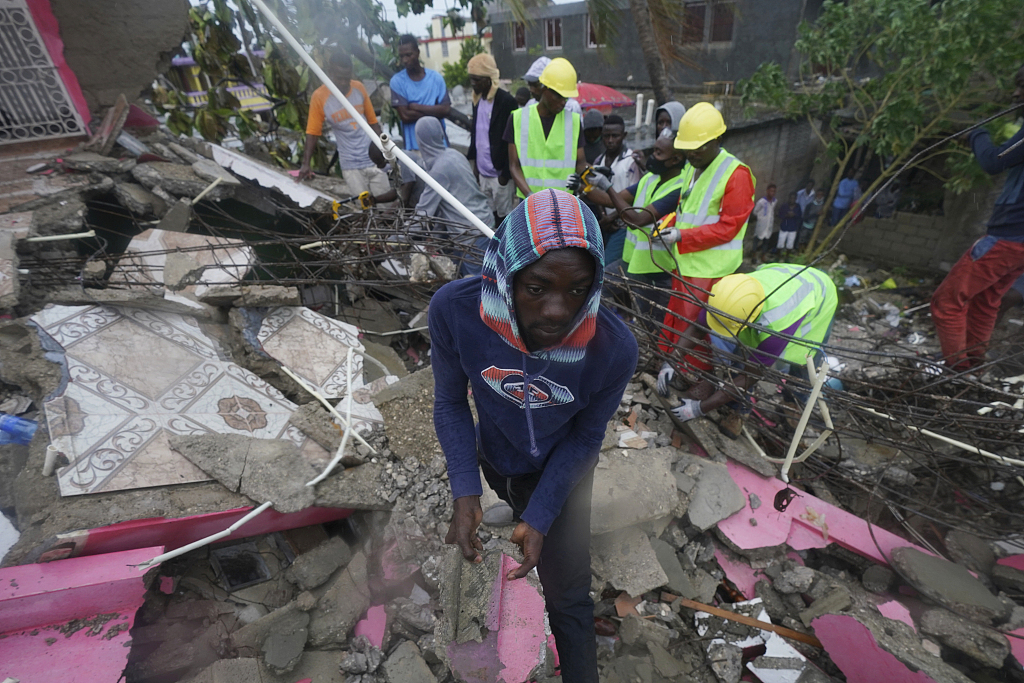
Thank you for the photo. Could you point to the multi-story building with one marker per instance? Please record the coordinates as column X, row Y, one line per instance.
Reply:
column 442, row 47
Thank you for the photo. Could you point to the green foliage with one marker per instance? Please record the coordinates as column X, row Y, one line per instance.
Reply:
column 891, row 76
column 457, row 73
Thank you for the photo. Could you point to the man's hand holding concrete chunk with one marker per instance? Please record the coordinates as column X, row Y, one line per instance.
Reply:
column 547, row 366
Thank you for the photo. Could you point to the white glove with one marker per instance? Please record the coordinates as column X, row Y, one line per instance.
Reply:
column 689, row 409
column 572, row 183
column 601, row 178
column 670, row 235
column 665, row 376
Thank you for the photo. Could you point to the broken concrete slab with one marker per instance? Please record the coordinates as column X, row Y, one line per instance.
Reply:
column 695, row 584
column 177, row 179
column 185, row 153
column 241, row 670
column 9, row 285
column 970, row 551
column 343, row 602
column 387, row 356
column 1010, row 579
column 262, row 469
column 313, row 568
column 269, row 177
column 949, row 584
column 178, row 215
column 211, row 170
column 795, row 580
column 988, row 647
column 252, row 296
column 626, row 559
column 706, row 434
column 726, row 661
column 715, row 496
column 356, row 488
column 632, row 489
column 878, row 579
column 139, row 201
column 406, row 665
column 90, row 162
column 313, row 420
column 181, row 270
column 283, row 648
column 637, row 631
column 250, row 638
column 832, row 603
column 664, row 663
column 315, row 666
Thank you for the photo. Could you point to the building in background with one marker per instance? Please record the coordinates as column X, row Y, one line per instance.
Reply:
column 723, row 41
column 442, row 47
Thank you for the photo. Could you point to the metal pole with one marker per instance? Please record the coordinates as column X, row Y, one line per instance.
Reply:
column 383, row 141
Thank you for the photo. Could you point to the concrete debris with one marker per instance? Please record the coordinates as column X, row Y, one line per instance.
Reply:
column 950, row 585
column 832, row 603
column 878, row 579
column 726, row 661
column 90, row 162
column 140, row 201
column 988, row 647
column 795, row 580
column 312, row 569
column 626, row 559
column 970, row 551
column 406, row 665
column 635, row 630
column 210, row 171
column 628, row 492
column 283, row 648
column 357, row 488
column 251, row 296
column 715, row 496
column 343, row 601
column 179, row 180
column 1010, row 579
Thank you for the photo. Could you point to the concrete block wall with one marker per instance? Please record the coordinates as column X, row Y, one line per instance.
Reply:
column 780, row 152
column 906, row 239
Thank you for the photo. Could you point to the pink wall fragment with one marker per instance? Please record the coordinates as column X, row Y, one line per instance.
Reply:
column 1015, row 561
column 1017, row 644
column 855, row 651
column 373, row 625
column 48, row 28
column 739, row 573
column 898, row 611
column 774, row 528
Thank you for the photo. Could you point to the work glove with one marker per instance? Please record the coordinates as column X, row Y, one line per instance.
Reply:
column 665, row 376
column 688, row 409
column 573, row 183
column 670, row 235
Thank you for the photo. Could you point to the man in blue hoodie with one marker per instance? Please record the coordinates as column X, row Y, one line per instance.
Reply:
column 547, row 365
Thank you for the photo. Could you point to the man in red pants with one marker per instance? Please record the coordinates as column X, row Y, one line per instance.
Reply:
column 965, row 306
column 715, row 202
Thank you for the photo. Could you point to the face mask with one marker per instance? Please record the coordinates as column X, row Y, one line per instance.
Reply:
column 657, row 166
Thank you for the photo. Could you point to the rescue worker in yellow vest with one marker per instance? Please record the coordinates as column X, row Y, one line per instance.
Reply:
column 641, row 206
column 781, row 313
column 710, row 222
column 545, row 142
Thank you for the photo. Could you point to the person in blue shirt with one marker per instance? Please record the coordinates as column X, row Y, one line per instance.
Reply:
column 846, row 195
column 547, row 366
column 416, row 91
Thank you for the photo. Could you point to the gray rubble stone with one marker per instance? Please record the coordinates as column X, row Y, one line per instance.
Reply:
column 726, row 661
column 970, row 551
column 1008, row 578
column 211, row 170
column 177, row 179
column 705, row 433
column 342, row 604
column 632, row 489
column 406, row 665
column 949, row 584
column 715, row 495
column 313, row 420
column 139, row 201
column 630, row 669
column 92, row 162
column 283, row 648
column 836, row 601
column 626, row 559
column 312, row 569
column 637, row 631
column 320, row 666
column 251, row 637
column 357, row 488
column 387, row 356
column 184, row 152
column 877, row 579
column 985, row 645
column 795, row 580
column 181, row 270
column 666, row 665
column 241, row 670
column 262, row 469
column 178, row 215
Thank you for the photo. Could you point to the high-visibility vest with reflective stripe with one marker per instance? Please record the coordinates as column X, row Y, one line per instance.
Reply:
column 637, row 249
column 701, row 207
column 547, row 162
column 793, row 292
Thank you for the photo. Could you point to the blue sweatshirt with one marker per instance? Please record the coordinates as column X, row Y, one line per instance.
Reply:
column 1007, row 220
column 574, row 388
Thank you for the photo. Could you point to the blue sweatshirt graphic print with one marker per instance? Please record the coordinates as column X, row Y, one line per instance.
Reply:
column 542, row 412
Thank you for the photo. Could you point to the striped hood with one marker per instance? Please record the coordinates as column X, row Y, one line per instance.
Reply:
column 545, row 221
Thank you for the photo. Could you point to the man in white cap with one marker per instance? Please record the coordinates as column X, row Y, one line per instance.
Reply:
column 545, row 142
column 532, row 79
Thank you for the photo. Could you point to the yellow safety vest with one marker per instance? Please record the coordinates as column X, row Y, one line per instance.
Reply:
column 637, row 250
column 546, row 162
column 701, row 206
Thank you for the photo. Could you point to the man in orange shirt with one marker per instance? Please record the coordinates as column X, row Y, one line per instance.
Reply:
column 359, row 171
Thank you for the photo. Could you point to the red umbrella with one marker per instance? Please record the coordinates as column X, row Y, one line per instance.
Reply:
column 594, row 96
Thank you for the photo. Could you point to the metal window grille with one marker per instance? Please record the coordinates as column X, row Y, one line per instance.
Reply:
column 34, row 104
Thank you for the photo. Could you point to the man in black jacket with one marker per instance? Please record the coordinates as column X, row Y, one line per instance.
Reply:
column 488, row 153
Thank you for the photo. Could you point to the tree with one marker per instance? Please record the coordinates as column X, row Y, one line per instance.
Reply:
column 888, row 77
column 458, row 73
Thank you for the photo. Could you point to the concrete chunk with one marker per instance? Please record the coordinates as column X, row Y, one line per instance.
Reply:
column 283, row 648
column 358, row 488
column 177, row 179
column 312, row 569
column 211, row 170
column 343, row 602
column 406, row 665
column 715, row 495
column 626, row 559
column 139, row 201
column 970, row 551
column 242, row 670
column 949, row 584
column 632, row 489
column 637, row 631
column 248, row 639
column 92, row 162
column 985, row 645
column 836, row 601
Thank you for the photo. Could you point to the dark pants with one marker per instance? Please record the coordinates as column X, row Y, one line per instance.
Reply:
column 564, row 570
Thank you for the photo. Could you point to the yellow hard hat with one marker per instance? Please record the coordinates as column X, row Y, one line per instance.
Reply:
column 740, row 296
column 700, row 124
column 560, row 76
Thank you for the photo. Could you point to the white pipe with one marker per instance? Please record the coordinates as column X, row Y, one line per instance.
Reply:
column 51, row 460
column 639, row 108
column 804, row 417
column 316, row 394
column 822, row 406
column 649, row 116
column 215, row 183
column 348, row 430
column 952, row 442
column 388, row 334
column 58, row 238
column 383, row 141
column 204, row 541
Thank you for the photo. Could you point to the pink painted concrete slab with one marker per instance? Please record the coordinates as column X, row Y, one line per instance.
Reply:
column 175, row 532
column 739, row 573
column 895, row 609
column 794, row 526
column 1015, row 561
column 855, row 651
column 373, row 625
column 69, row 620
column 1017, row 645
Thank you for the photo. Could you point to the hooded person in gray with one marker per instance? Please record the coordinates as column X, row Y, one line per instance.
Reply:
column 451, row 169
